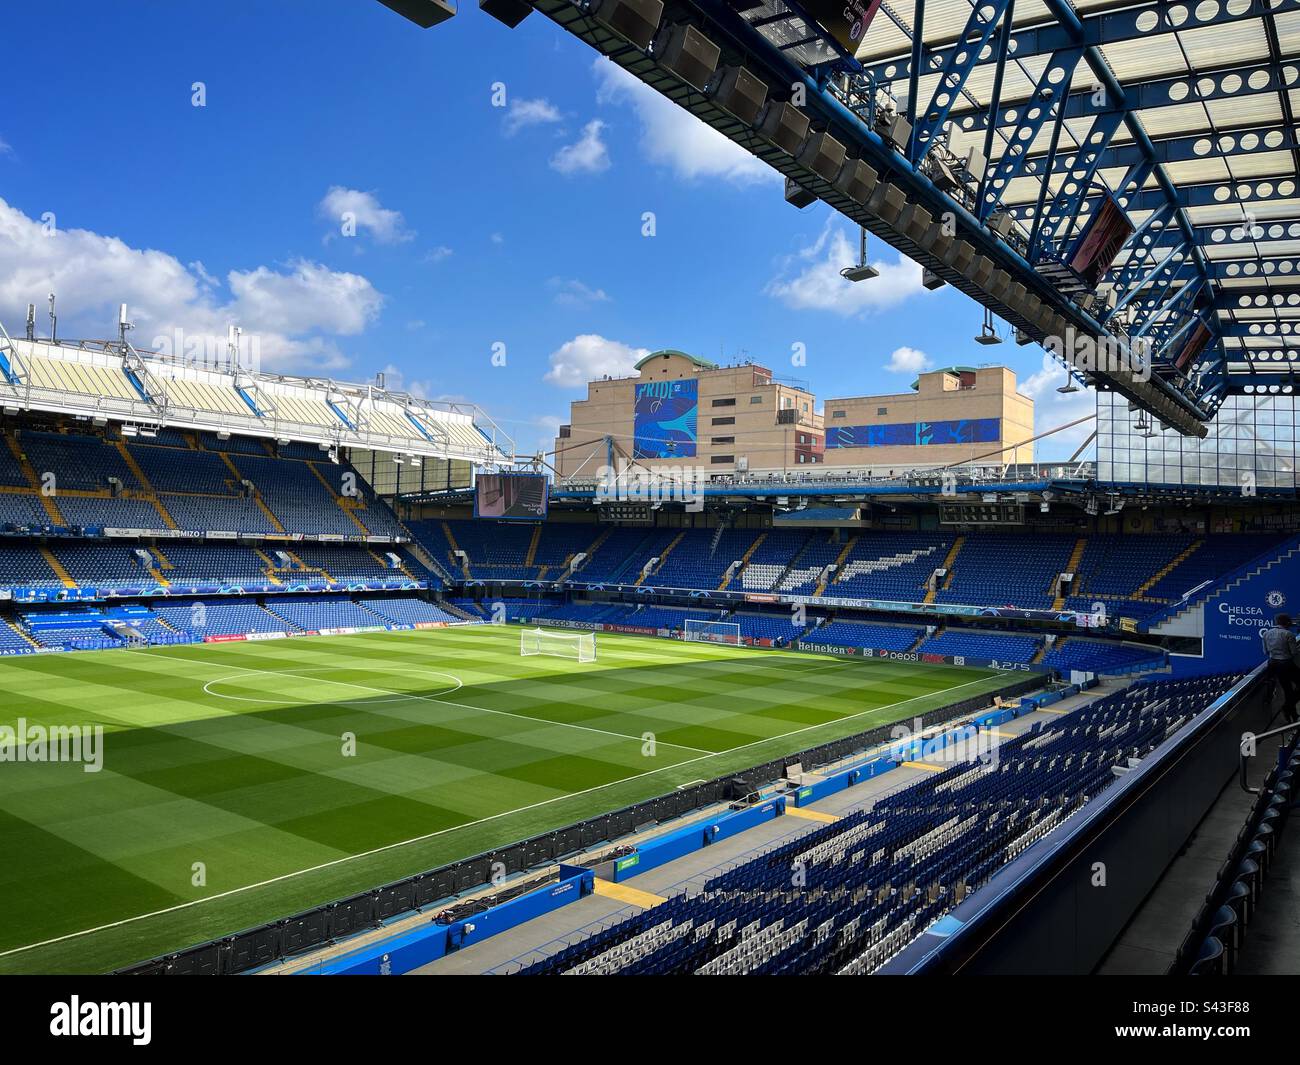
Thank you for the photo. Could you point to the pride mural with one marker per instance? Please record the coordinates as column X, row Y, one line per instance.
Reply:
column 912, row 434
column 666, row 414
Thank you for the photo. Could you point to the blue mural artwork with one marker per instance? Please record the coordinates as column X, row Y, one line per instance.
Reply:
column 666, row 415
column 912, row 434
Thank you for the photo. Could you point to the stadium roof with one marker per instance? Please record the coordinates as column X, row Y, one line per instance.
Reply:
column 982, row 137
column 1210, row 92
column 110, row 380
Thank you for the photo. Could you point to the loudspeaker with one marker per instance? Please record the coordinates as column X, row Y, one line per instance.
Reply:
column 856, row 180
column 1016, row 299
column 423, row 13
column 915, row 224
column 633, row 20
column 511, row 12
column 960, row 257
column 1001, row 223
column 785, row 126
column 741, row 94
column 931, row 280
column 823, row 155
column 690, row 55
column 982, row 271
column 887, row 202
column 897, row 130
column 797, row 195
column 999, row 285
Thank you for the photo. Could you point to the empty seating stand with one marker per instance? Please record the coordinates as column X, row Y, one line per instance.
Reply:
column 874, row 879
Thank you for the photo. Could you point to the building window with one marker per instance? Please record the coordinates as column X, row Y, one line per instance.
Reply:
column 723, row 460
column 723, row 440
column 882, row 410
column 724, row 402
column 801, row 456
column 724, row 421
column 838, row 413
column 755, row 399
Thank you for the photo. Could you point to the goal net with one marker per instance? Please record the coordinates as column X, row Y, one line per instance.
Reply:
column 713, row 631
column 577, row 645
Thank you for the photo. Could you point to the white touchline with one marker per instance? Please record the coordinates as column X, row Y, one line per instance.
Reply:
column 467, row 824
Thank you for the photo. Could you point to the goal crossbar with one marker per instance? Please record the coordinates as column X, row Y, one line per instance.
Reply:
column 576, row 645
column 727, row 632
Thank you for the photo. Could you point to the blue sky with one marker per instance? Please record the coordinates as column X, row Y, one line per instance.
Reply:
column 476, row 225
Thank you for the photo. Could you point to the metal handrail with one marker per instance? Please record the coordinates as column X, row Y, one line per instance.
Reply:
column 1249, row 748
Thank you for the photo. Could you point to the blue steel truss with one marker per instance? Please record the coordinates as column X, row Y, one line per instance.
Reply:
column 1050, row 134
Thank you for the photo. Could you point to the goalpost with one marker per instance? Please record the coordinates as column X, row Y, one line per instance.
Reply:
column 576, row 645
column 713, row 632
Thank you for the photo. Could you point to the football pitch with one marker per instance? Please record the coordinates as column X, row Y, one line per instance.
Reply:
column 244, row 782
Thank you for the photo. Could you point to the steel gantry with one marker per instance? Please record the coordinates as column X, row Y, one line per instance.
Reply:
column 999, row 142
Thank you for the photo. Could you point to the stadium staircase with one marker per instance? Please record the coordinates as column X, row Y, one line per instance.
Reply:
column 271, row 570
column 349, row 507
column 790, row 566
column 426, row 560
column 1225, row 585
column 662, row 556
column 838, row 565
column 150, row 494
column 948, row 562
column 744, row 561
column 310, row 569
column 1168, row 568
column 22, row 633
column 464, row 558
column 459, row 612
column 530, row 557
column 58, row 568
column 24, row 464
column 257, row 495
column 1072, row 566
column 401, row 566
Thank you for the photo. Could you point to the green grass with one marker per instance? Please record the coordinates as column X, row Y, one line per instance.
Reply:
column 232, row 755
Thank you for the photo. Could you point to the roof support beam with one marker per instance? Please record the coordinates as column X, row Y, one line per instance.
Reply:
column 1256, row 299
column 1130, row 24
column 1224, row 144
column 1211, row 194
column 1220, row 84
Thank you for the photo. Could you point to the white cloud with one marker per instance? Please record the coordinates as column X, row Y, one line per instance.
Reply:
column 574, row 293
column 5, row 147
column 587, row 155
column 673, row 137
column 293, row 313
column 524, row 113
column 811, row 278
column 364, row 209
column 310, row 297
column 1053, row 409
column 436, row 255
column 588, row 357
column 908, row 360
